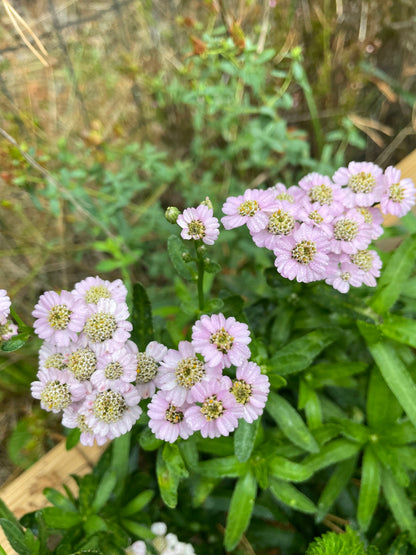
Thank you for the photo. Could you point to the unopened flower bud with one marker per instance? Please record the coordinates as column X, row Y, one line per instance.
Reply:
column 186, row 257
column 202, row 250
column 172, row 214
column 207, row 202
column 207, row 262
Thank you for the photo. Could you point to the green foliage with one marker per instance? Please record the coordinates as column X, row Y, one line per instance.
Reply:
column 338, row 544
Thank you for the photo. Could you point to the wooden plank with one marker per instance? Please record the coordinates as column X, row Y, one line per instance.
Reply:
column 408, row 168
column 24, row 494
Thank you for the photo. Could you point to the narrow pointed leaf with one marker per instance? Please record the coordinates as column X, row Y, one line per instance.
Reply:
column 241, row 508
column 168, row 482
column 229, row 467
column 396, row 376
column 59, row 519
column 338, row 481
column 390, row 460
column 331, row 453
column 137, row 504
column 58, row 499
column 291, row 496
column 383, row 409
column 15, row 536
column 369, row 489
column 141, row 317
column 285, row 469
column 394, row 276
column 300, row 353
column 244, row 438
column 400, row 505
column 291, row 423
column 400, row 329
column 104, row 490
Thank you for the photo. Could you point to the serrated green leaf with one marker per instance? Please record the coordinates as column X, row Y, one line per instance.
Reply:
column 141, row 317
column 241, row 508
column 104, row 490
column 229, row 467
column 331, row 453
column 285, row 469
column 15, row 536
column 291, row 496
column 60, row 520
column 399, row 504
column 336, row 484
column 369, row 489
column 175, row 251
column 396, row 376
column 136, row 505
column 291, row 423
column 394, row 276
column 300, row 353
column 244, row 438
column 383, row 409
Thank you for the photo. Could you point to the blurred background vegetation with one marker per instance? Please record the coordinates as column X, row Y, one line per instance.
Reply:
column 136, row 105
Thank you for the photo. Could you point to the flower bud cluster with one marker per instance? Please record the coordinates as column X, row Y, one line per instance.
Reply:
column 321, row 228
column 163, row 543
column 95, row 375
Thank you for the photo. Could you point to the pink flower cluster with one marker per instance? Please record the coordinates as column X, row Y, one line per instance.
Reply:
column 87, row 364
column 321, row 229
column 195, row 393
column 91, row 371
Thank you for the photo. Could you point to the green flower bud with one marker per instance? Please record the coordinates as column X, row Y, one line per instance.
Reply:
column 172, row 214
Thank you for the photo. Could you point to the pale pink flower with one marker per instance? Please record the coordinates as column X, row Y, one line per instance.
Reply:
column 363, row 181
column 218, row 412
column 281, row 222
column 320, row 189
column 350, row 233
column 74, row 416
column 56, row 389
column 291, row 194
column 250, row 389
column 137, row 548
column 318, row 215
column 59, row 317
column 370, row 263
column 107, row 327
column 250, row 208
column 51, row 356
column 8, row 330
column 167, row 419
column 5, row 304
column 179, row 371
column 342, row 274
column 399, row 194
column 92, row 289
column 199, row 223
column 112, row 413
column 372, row 216
column 221, row 341
column 80, row 358
column 303, row 255
column 147, row 366
column 115, row 370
